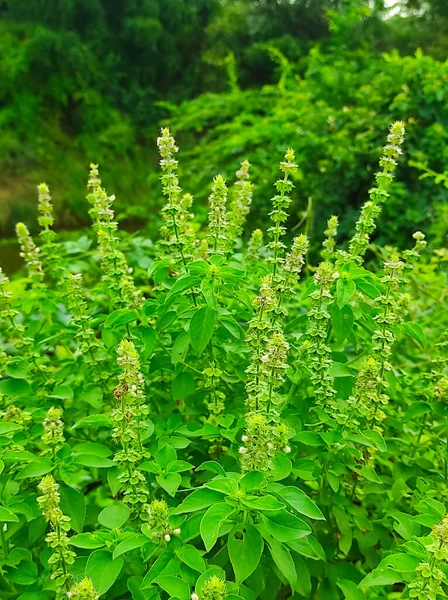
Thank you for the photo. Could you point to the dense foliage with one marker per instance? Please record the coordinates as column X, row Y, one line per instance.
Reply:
column 333, row 113
column 208, row 419
column 85, row 81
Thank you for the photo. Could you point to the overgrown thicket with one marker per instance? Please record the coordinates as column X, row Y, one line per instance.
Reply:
column 208, row 418
column 90, row 80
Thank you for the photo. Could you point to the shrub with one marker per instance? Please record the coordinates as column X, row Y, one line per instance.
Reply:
column 208, row 419
column 333, row 108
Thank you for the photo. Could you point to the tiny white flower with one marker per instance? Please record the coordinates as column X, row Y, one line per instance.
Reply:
column 335, row 275
column 287, row 450
column 242, row 450
column 167, row 537
column 271, row 446
column 5, row 527
column 194, row 596
column 244, row 438
column 176, row 531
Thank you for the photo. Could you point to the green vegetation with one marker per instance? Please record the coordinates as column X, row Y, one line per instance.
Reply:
column 91, row 81
column 213, row 419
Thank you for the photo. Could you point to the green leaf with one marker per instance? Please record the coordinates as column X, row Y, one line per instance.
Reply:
column 282, row 558
column 202, row 326
column 7, row 516
column 344, row 291
column 415, row 331
column 115, row 515
column 351, row 590
column 302, row 503
column 169, row 482
column 226, row 485
column 24, row 574
column 94, row 421
column 211, row 523
column 180, row 347
column 285, row 527
column 17, row 368
column 93, row 460
column 263, row 503
column 183, row 385
column 130, row 543
column 15, row 387
column 245, row 547
column 198, row 500
column 36, row 469
column 73, row 504
column 103, row 570
column 88, row 541
column 308, row 438
column 8, row 427
column 174, row 586
column 342, row 321
column 192, row 557
column 120, row 317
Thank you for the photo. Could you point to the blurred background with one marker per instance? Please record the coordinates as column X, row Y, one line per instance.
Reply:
column 93, row 80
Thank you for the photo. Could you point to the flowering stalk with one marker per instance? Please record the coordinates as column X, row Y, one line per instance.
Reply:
column 53, row 436
column 430, row 573
column 50, row 250
column 240, row 204
column 214, row 588
column 217, row 218
column 176, row 231
column 117, row 278
column 88, row 343
column 279, row 213
column 57, row 539
column 159, row 521
column 260, row 329
column 83, row 590
column 290, row 271
column 30, row 253
column 263, row 441
column 329, row 243
column 366, row 223
column 127, row 417
column 316, row 346
column 255, row 244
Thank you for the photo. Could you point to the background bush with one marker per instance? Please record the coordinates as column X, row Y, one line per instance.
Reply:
column 86, row 81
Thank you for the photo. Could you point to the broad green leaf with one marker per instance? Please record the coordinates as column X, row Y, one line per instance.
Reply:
column 120, row 317
column 282, row 558
column 245, row 547
column 36, row 469
column 226, row 485
column 115, row 515
column 15, row 387
column 8, row 427
column 285, row 527
column 86, row 540
column 198, row 500
column 93, row 460
column 174, row 586
column 191, row 556
column 211, row 523
column 169, row 482
column 73, row 504
column 202, row 326
column 130, row 543
column 94, row 421
column 7, row 516
column 183, row 385
column 103, row 570
column 263, row 503
column 302, row 503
